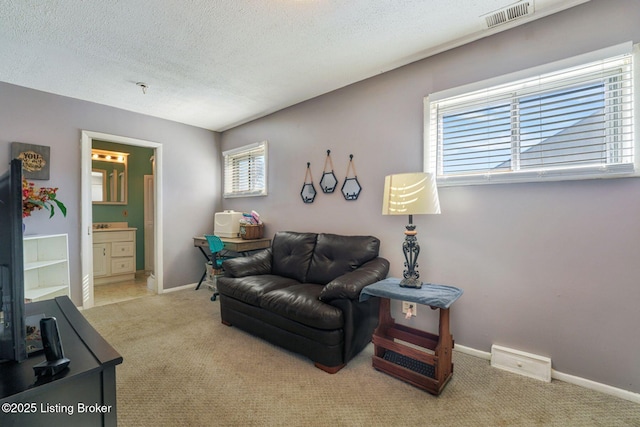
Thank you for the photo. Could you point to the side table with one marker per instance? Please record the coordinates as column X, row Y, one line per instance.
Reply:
column 429, row 366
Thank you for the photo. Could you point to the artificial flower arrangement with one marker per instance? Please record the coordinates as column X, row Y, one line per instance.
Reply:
column 37, row 198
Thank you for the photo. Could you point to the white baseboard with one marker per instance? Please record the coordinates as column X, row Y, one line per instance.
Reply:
column 571, row 379
column 473, row 352
column 602, row 388
column 180, row 288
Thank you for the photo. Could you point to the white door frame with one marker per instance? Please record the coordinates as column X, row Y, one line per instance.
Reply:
column 149, row 226
column 87, row 213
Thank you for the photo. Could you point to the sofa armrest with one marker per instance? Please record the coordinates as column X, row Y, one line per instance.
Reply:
column 349, row 285
column 253, row 265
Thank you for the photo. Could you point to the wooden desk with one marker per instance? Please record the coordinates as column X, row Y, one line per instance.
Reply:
column 62, row 400
column 238, row 245
column 429, row 370
column 235, row 244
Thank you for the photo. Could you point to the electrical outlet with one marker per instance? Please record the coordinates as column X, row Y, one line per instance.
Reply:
column 406, row 305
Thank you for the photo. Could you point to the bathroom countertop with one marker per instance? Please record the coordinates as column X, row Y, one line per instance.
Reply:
column 114, row 229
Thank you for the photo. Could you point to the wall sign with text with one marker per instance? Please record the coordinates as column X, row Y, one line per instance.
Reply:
column 35, row 159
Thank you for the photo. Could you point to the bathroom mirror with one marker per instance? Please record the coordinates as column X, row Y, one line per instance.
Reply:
column 108, row 177
column 98, row 185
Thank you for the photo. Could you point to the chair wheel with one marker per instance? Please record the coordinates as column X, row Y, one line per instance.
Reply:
column 213, row 297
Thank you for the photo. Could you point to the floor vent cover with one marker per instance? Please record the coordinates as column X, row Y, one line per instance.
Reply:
column 519, row 362
column 509, row 14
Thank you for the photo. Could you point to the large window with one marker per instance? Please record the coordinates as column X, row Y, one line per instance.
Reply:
column 576, row 122
column 245, row 171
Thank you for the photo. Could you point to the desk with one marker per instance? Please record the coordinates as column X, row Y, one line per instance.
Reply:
column 236, row 244
column 428, row 370
column 89, row 380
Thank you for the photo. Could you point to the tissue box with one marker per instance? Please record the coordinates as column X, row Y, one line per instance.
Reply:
column 249, row 232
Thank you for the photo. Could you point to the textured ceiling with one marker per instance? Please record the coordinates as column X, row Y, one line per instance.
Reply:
column 219, row 63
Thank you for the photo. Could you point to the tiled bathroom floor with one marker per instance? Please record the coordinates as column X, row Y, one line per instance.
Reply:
column 117, row 292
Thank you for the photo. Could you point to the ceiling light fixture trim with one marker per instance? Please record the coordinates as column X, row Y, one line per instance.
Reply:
column 143, row 86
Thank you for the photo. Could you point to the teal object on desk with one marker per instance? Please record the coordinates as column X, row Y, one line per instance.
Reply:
column 215, row 246
column 440, row 296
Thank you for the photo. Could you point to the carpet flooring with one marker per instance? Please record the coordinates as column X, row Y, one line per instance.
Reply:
column 182, row 367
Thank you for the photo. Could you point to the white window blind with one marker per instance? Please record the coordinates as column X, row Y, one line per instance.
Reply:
column 245, row 171
column 577, row 122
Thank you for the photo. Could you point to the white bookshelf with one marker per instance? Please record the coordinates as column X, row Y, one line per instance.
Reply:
column 46, row 266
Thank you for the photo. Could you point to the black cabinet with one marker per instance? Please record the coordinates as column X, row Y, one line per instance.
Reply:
column 82, row 395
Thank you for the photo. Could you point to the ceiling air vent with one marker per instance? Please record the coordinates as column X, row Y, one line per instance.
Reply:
column 509, row 14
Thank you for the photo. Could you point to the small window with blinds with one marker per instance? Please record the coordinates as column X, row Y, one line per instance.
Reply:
column 245, row 171
column 568, row 124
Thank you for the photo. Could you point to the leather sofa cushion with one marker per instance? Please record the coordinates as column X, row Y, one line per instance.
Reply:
column 292, row 254
column 349, row 285
column 266, row 319
column 300, row 303
column 250, row 289
column 258, row 263
column 336, row 255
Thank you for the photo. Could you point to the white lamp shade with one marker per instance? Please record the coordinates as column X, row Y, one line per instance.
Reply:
column 410, row 194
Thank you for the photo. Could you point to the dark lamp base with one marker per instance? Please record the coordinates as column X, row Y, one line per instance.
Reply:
column 410, row 283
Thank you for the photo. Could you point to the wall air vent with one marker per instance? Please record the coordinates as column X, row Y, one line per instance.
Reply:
column 508, row 14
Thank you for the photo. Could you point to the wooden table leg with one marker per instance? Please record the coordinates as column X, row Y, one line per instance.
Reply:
column 444, row 349
column 385, row 321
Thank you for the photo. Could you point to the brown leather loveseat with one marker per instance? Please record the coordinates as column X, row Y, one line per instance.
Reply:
column 302, row 294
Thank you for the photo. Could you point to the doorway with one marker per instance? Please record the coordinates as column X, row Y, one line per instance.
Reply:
column 156, row 278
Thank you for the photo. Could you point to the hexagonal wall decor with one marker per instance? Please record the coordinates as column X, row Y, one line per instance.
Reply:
column 308, row 192
column 328, row 182
column 351, row 188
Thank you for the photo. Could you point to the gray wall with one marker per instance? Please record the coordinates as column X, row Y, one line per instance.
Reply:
column 548, row 268
column 191, row 187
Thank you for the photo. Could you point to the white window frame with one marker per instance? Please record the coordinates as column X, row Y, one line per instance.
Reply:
column 433, row 163
column 254, row 186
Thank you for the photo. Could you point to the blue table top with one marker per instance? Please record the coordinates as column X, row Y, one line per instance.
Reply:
column 440, row 296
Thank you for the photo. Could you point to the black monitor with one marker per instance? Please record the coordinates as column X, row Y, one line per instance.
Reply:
column 12, row 320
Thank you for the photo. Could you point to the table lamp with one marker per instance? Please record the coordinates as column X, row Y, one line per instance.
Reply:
column 410, row 194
